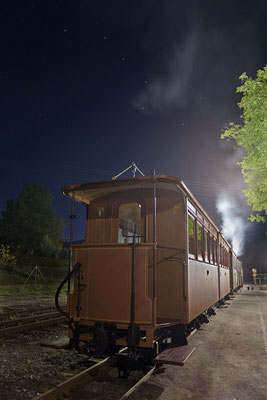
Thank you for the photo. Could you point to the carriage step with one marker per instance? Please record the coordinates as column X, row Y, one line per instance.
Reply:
column 175, row 356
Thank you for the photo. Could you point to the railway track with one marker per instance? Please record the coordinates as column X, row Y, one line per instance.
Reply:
column 42, row 319
column 67, row 388
column 11, row 313
column 139, row 383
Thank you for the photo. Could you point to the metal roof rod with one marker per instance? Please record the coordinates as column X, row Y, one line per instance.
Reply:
column 134, row 168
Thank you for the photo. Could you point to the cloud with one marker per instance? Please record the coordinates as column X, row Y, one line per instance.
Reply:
column 173, row 88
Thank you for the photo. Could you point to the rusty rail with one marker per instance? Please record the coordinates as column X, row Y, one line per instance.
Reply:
column 13, row 313
column 139, row 383
column 28, row 323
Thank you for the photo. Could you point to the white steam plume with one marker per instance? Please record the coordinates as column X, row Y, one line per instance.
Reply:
column 234, row 219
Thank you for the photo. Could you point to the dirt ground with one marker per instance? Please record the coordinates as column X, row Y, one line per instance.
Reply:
column 26, row 368
column 229, row 363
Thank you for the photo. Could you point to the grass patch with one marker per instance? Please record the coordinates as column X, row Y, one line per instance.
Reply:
column 12, row 283
column 25, row 290
column 19, row 274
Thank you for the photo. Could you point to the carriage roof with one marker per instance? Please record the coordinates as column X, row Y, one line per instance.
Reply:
column 87, row 192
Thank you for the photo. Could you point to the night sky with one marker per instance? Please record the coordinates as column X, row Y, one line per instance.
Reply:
column 88, row 87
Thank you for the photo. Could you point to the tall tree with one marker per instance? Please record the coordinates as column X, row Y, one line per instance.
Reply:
column 251, row 136
column 30, row 220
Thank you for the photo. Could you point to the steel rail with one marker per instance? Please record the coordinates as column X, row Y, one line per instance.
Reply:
column 26, row 320
column 139, row 383
column 24, row 313
column 67, row 388
column 30, row 326
column 148, row 375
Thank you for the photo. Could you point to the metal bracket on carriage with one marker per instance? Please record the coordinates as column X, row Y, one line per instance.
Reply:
column 179, row 251
column 82, row 286
column 133, row 167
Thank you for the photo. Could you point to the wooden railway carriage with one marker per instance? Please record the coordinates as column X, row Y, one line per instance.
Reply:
column 233, row 270
column 239, row 272
column 152, row 261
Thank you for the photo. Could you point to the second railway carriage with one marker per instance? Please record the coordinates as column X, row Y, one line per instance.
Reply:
column 151, row 263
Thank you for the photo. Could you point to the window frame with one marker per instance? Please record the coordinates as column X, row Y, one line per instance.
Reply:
column 136, row 224
column 192, row 255
column 211, row 246
column 206, row 256
column 215, row 244
column 115, row 205
column 200, row 255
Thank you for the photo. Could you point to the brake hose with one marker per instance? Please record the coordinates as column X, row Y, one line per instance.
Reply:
column 69, row 275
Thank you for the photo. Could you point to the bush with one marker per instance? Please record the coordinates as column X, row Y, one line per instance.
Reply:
column 7, row 260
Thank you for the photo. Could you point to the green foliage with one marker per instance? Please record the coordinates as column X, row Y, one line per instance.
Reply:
column 190, row 227
column 7, row 260
column 29, row 223
column 47, row 247
column 251, row 136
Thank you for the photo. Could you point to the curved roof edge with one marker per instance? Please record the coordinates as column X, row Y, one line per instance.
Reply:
column 95, row 186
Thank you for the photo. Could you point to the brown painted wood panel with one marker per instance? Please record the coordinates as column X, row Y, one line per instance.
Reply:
column 202, row 287
column 106, row 272
column 224, row 282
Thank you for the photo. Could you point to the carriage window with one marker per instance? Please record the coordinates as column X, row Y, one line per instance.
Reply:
column 215, row 251
column 211, row 249
column 199, row 241
column 206, row 246
column 129, row 222
column 100, row 212
column 191, row 235
column 221, row 255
